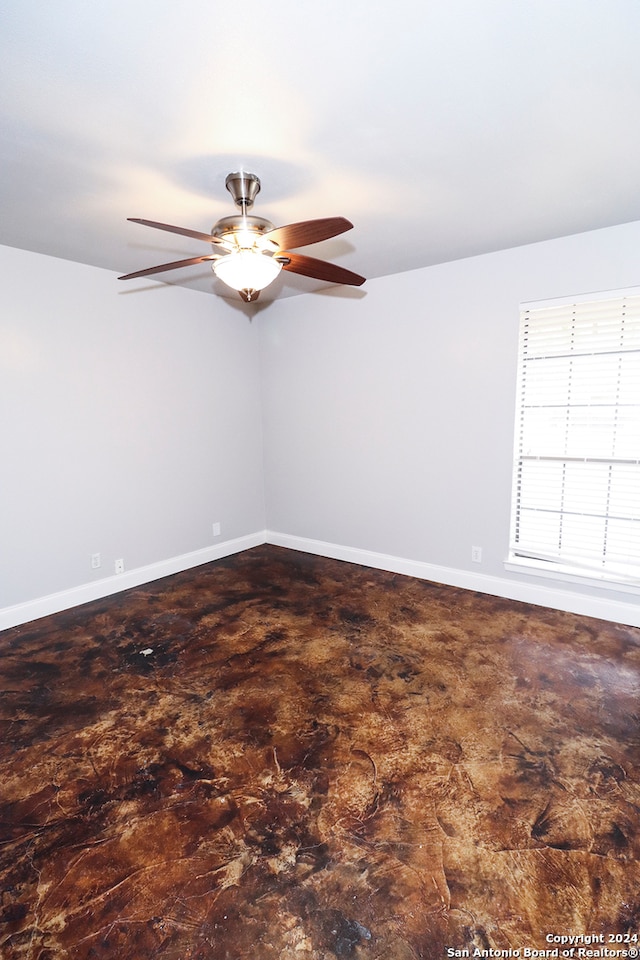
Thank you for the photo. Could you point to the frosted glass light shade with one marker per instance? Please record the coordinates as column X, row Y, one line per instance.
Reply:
column 247, row 270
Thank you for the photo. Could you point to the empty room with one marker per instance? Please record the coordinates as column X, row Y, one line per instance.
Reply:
column 320, row 501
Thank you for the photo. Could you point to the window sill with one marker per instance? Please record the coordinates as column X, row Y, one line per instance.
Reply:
column 540, row 568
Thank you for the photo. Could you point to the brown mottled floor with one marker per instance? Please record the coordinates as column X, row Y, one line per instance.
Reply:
column 282, row 756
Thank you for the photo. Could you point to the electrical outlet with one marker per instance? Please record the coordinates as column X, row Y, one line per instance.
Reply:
column 217, row 529
column 119, row 566
column 96, row 561
column 476, row 554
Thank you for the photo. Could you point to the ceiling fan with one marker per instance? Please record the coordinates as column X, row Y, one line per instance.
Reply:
column 251, row 252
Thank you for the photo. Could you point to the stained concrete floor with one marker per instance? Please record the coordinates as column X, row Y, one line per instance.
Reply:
column 284, row 756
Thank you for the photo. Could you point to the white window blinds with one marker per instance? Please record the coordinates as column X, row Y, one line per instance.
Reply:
column 576, row 497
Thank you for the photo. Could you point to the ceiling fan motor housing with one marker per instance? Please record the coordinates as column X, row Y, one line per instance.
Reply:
column 229, row 227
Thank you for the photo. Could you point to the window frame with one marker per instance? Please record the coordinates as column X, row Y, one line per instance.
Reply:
column 522, row 557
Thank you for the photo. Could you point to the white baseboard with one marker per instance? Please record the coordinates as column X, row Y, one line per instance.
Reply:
column 65, row 599
column 542, row 595
column 539, row 594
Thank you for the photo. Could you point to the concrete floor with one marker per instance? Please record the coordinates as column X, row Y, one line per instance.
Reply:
column 283, row 756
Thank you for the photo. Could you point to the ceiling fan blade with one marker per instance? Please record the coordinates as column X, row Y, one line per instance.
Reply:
column 183, row 231
column 319, row 269
column 308, row 231
column 169, row 266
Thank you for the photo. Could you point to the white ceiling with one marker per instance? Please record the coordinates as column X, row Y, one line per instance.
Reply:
column 441, row 130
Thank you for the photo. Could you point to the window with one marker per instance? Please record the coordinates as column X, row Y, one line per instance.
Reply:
column 576, row 485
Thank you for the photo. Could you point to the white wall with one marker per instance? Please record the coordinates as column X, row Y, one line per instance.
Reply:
column 129, row 422
column 389, row 412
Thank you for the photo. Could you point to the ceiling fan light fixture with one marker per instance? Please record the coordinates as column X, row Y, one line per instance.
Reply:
column 247, row 270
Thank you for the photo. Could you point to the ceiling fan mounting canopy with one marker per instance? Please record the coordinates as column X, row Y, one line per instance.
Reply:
column 251, row 251
column 244, row 188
